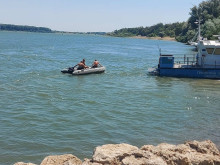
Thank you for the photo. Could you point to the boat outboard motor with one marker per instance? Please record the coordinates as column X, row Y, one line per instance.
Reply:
column 68, row 70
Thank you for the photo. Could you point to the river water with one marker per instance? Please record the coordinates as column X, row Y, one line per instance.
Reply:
column 44, row 112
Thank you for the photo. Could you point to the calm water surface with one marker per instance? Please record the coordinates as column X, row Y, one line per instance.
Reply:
column 44, row 112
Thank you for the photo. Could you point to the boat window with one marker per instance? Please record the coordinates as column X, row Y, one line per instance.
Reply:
column 209, row 50
column 217, row 51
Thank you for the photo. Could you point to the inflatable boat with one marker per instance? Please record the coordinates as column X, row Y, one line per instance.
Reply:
column 90, row 70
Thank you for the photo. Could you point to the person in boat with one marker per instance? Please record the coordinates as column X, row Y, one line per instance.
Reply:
column 82, row 65
column 95, row 64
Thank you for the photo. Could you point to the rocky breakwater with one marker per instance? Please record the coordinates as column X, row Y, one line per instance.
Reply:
column 189, row 153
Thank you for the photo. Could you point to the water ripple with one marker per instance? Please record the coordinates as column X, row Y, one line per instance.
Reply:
column 44, row 112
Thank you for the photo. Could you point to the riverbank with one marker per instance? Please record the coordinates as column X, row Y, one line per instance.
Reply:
column 191, row 152
column 155, row 38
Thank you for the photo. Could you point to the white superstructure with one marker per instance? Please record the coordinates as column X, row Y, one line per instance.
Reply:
column 209, row 54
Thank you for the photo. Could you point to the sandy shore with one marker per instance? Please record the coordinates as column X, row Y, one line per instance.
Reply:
column 155, row 38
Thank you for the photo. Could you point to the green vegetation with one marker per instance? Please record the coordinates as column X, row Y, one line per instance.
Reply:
column 158, row 30
column 208, row 11
column 9, row 27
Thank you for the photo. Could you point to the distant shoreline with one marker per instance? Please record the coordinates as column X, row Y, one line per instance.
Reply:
column 35, row 29
column 93, row 33
column 155, row 38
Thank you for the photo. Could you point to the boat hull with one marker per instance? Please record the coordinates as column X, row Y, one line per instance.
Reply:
column 209, row 73
column 89, row 71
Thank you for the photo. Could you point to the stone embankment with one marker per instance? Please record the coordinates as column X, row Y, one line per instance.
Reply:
column 189, row 153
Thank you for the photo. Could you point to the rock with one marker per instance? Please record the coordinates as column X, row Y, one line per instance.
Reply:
column 153, row 160
column 124, row 154
column 112, row 152
column 89, row 162
column 22, row 163
column 189, row 153
column 194, row 152
column 206, row 147
column 67, row 159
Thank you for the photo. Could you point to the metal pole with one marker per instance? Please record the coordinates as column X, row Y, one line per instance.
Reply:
column 199, row 31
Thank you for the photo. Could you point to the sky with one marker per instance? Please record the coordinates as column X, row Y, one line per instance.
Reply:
column 94, row 15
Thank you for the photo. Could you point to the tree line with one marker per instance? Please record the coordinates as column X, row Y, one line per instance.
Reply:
column 207, row 11
column 9, row 27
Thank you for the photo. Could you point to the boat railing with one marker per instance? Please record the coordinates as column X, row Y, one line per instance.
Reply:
column 186, row 59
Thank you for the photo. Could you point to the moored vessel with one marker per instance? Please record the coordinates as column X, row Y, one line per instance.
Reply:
column 206, row 64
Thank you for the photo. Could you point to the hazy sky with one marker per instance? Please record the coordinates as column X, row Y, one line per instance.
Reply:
column 94, row 15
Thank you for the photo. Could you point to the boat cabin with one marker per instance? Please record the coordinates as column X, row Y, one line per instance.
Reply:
column 209, row 54
column 166, row 61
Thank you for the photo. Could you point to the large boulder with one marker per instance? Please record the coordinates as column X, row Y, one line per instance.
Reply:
column 117, row 154
column 67, row 159
column 205, row 147
column 111, row 152
column 193, row 152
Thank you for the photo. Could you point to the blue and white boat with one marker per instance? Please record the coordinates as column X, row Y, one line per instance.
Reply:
column 206, row 64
